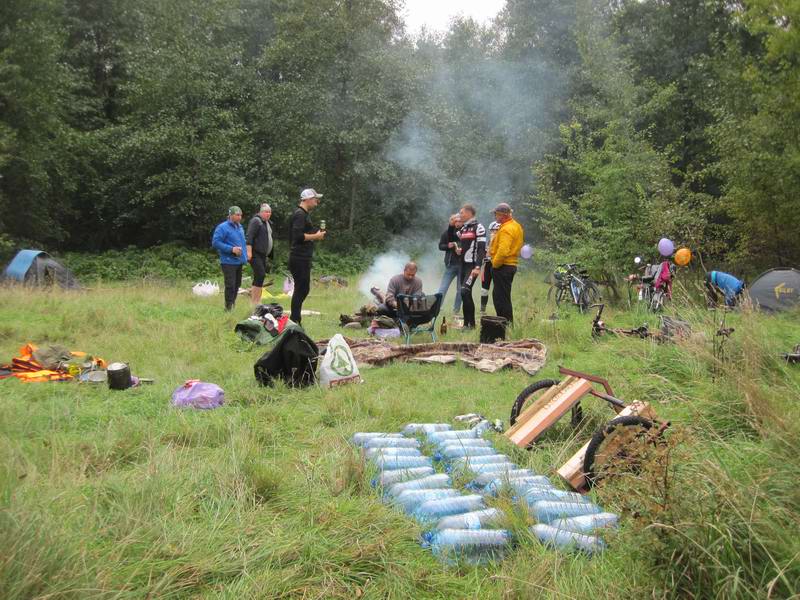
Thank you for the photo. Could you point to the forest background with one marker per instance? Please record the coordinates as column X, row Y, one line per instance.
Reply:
column 606, row 124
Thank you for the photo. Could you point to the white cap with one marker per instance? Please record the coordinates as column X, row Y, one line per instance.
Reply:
column 265, row 207
column 309, row 193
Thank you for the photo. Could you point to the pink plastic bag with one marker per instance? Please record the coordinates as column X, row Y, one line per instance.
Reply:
column 198, row 394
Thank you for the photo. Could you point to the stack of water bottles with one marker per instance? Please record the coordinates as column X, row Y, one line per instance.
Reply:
column 459, row 526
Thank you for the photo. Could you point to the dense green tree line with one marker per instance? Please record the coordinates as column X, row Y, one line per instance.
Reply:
column 607, row 123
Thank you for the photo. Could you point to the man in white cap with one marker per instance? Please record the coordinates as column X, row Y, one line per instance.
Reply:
column 259, row 249
column 302, row 235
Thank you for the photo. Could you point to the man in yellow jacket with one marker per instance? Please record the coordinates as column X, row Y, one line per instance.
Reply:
column 505, row 247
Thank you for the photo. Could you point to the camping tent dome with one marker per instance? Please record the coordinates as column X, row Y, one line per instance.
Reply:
column 38, row 268
column 776, row 290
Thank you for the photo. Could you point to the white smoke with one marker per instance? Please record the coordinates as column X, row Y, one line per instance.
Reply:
column 430, row 266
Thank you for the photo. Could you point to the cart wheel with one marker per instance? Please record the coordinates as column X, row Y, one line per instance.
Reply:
column 610, row 447
column 529, row 393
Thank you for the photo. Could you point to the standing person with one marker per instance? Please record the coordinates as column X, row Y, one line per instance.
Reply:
column 259, row 249
column 449, row 244
column 302, row 235
column 472, row 239
column 506, row 244
column 486, row 275
column 229, row 241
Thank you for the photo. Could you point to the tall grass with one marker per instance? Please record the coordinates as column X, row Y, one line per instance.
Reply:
column 117, row 495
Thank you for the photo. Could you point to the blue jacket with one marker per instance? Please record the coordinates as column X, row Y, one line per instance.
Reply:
column 729, row 285
column 226, row 236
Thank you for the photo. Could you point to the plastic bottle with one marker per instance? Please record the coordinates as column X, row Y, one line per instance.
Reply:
column 439, row 436
column 387, row 463
column 378, row 452
column 466, row 443
column 360, row 438
column 415, row 428
column 410, row 500
column 517, row 485
column 433, row 510
column 493, row 469
column 465, row 461
column 482, row 427
column 429, row 482
column 470, row 545
column 546, row 511
column 484, row 478
column 387, row 478
column 561, row 538
column 450, row 452
column 476, row 519
column 587, row 523
column 533, row 496
column 393, row 442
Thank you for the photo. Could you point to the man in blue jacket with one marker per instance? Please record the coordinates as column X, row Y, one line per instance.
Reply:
column 230, row 242
column 727, row 284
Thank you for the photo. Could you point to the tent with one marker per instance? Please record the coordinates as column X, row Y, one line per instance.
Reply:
column 777, row 289
column 38, row 268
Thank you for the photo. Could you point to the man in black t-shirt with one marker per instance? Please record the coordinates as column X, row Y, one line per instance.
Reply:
column 302, row 235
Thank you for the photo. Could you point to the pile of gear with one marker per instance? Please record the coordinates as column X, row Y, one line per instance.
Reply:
column 51, row 363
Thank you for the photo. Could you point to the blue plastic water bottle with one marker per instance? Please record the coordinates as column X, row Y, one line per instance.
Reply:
column 470, row 545
column 476, row 519
column 587, row 524
column 533, row 496
column 546, row 511
column 393, row 442
column 410, row 500
column 450, row 452
column 359, row 439
column 415, row 428
column 485, row 477
column 567, row 540
column 433, row 510
column 387, row 478
column 517, row 485
column 460, row 464
column 466, row 442
column 387, row 463
column 429, row 482
column 438, row 436
column 378, row 452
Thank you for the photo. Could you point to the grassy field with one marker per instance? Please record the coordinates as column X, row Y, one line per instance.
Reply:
column 109, row 494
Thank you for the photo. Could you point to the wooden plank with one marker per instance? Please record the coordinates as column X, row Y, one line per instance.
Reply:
column 556, row 406
column 572, row 470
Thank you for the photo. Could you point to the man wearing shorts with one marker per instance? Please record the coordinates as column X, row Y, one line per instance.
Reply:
column 259, row 250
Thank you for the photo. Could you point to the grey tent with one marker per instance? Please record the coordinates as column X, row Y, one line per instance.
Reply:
column 777, row 289
column 38, row 268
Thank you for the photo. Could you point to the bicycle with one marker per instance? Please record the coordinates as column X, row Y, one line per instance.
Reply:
column 649, row 288
column 574, row 285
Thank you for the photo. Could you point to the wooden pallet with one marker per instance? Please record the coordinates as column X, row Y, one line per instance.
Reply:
column 546, row 410
column 572, row 470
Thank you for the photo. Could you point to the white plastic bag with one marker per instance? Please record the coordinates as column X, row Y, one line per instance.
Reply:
column 205, row 288
column 338, row 365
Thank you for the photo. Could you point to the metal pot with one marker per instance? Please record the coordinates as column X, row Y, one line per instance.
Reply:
column 119, row 376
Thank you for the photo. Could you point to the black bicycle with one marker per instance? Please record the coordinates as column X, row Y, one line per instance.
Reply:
column 573, row 285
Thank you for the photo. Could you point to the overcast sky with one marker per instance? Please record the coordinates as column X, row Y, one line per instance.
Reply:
column 436, row 14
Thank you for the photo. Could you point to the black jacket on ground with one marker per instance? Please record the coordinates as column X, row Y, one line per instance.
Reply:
column 293, row 359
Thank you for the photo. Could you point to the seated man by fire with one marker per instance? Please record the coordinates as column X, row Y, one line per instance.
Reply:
column 406, row 282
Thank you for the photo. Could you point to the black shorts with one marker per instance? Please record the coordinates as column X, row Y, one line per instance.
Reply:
column 259, row 264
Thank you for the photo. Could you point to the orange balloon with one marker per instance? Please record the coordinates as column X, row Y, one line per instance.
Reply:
column 683, row 257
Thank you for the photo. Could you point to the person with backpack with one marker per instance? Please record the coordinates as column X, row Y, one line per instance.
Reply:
column 259, row 250
column 229, row 241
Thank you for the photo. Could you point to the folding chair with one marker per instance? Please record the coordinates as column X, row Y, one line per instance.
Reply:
column 417, row 314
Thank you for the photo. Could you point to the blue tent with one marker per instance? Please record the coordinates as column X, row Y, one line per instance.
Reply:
column 38, row 268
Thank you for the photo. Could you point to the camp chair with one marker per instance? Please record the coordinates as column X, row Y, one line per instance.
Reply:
column 418, row 313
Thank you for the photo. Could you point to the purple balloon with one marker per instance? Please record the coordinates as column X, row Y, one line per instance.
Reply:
column 526, row 251
column 666, row 247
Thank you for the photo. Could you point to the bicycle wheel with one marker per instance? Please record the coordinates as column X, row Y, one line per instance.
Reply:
column 529, row 393
column 589, row 295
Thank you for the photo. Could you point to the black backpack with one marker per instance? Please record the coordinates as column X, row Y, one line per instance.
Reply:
column 293, row 359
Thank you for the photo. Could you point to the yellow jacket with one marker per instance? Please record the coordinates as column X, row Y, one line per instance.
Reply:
column 506, row 244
